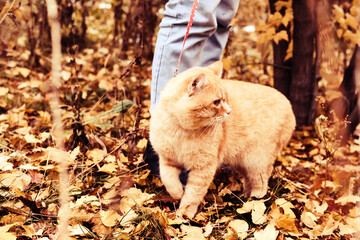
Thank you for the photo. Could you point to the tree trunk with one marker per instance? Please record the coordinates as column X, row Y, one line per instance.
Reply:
column 304, row 88
column 282, row 69
column 349, row 105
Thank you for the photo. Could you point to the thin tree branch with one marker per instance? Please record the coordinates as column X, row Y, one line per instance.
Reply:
column 7, row 12
column 64, row 211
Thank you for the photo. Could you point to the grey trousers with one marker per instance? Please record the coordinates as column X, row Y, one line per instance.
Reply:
column 205, row 43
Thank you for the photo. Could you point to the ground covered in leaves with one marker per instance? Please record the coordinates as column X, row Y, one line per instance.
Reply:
column 314, row 192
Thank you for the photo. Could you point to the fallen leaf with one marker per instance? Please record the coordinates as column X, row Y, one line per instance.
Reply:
column 348, row 199
column 308, row 219
column 286, row 222
column 25, row 72
column 240, row 226
column 104, row 84
column 65, row 75
column 346, row 229
column 96, row 155
column 4, row 234
column 132, row 197
column 109, row 218
column 258, row 213
column 191, row 232
column 257, row 209
column 286, row 206
column 269, row 233
column 329, row 226
column 109, row 168
column 78, row 229
column 3, row 91
column 15, row 180
column 87, row 199
column 4, row 164
column 141, row 145
column 208, row 229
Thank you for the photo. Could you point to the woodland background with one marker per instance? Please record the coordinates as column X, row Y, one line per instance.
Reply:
column 104, row 91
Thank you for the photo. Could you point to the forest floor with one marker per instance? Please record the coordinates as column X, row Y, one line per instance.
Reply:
column 314, row 192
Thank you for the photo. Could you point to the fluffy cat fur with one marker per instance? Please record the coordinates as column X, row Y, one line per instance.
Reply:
column 202, row 121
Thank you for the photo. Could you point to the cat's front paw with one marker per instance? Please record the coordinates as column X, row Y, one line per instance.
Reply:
column 258, row 192
column 187, row 211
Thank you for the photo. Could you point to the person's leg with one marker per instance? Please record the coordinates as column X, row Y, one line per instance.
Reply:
column 212, row 19
column 167, row 50
column 170, row 38
column 214, row 47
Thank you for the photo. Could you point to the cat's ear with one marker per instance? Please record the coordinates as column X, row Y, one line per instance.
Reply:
column 196, row 84
column 216, row 68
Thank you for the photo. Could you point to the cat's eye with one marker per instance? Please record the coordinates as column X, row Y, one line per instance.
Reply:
column 217, row 102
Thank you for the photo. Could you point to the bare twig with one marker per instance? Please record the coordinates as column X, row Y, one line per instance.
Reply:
column 7, row 12
column 64, row 211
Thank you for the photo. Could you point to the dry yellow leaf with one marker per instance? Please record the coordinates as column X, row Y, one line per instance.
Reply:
column 109, row 168
column 141, row 178
column 208, row 229
column 226, row 63
column 282, row 35
column 339, row 32
column 275, row 19
column 288, row 17
column 192, row 232
column 87, row 199
column 107, row 85
column 78, row 229
column 329, row 226
column 338, row 12
column 342, row 23
column 246, row 208
column 132, row 197
column 257, row 209
column 346, row 229
column 15, row 180
column 128, row 217
column 315, row 207
column 4, row 164
column 287, row 223
column 308, row 219
column 141, row 145
column 4, row 234
column 109, row 218
column 258, row 213
column 280, row 4
column 354, row 10
column 354, row 223
column 286, row 206
column 240, row 226
column 348, row 199
column 30, row 138
column 269, row 233
column 25, row 72
column 3, row 91
column 289, row 51
column 96, row 155
column 65, row 75
column 351, row 21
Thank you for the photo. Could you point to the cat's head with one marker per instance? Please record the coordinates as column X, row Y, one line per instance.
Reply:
column 197, row 97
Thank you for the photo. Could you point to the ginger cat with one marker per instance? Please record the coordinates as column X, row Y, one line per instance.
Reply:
column 202, row 121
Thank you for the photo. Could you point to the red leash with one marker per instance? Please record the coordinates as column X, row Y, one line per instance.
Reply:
column 193, row 10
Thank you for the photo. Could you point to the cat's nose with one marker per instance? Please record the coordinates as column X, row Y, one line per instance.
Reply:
column 227, row 109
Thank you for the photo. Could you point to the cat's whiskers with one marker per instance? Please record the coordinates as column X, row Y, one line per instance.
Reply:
column 216, row 127
column 202, row 130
